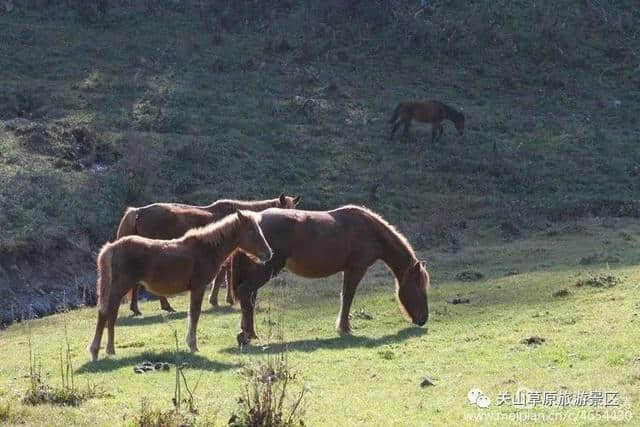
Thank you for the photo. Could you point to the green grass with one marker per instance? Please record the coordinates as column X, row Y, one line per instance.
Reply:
column 179, row 107
column 564, row 149
column 373, row 377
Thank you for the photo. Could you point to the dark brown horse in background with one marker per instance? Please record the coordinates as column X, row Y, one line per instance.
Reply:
column 172, row 220
column 318, row 244
column 431, row 111
column 168, row 267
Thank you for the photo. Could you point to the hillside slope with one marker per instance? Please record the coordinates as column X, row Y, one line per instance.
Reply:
column 179, row 101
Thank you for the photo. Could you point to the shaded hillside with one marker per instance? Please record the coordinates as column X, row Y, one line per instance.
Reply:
column 178, row 101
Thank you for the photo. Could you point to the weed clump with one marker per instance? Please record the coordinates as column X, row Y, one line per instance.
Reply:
column 152, row 417
column 469, row 276
column 599, row 281
column 40, row 392
column 262, row 402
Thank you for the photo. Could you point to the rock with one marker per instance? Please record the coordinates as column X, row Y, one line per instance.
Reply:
column 426, row 382
column 459, row 301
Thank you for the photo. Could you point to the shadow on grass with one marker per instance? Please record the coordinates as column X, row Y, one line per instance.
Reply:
column 334, row 343
column 223, row 309
column 148, row 320
column 162, row 317
column 195, row 362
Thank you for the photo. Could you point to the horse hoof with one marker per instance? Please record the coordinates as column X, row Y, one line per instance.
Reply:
column 243, row 339
column 94, row 354
column 344, row 331
column 169, row 309
column 136, row 313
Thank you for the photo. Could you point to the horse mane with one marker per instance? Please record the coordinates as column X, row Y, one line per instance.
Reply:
column 214, row 233
column 389, row 231
column 231, row 204
column 454, row 114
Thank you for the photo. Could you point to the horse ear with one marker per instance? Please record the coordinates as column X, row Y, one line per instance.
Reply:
column 296, row 200
column 283, row 199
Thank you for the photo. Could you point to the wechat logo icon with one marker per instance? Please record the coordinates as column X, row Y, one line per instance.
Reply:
column 478, row 398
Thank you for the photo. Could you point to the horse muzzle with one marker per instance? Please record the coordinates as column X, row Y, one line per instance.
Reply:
column 421, row 321
column 266, row 257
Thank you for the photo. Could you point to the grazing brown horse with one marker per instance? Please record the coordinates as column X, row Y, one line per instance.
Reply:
column 168, row 267
column 172, row 220
column 431, row 111
column 318, row 244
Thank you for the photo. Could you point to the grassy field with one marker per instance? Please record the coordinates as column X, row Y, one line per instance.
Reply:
column 193, row 101
column 373, row 377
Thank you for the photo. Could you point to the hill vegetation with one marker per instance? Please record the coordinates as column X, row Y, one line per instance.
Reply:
column 109, row 104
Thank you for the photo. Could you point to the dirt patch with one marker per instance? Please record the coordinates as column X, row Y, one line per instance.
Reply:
column 36, row 285
column 533, row 340
column 456, row 301
column 72, row 145
column 562, row 293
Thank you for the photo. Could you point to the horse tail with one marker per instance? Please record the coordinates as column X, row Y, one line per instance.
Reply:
column 396, row 113
column 103, row 286
column 127, row 223
column 232, row 277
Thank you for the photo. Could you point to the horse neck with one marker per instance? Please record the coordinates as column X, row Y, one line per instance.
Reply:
column 257, row 205
column 395, row 254
column 223, row 246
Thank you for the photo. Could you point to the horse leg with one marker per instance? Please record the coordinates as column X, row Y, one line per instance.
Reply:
column 434, row 132
column 94, row 348
column 112, row 316
column 215, row 287
column 405, row 132
column 195, row 307
column 164, row 304
column 395, row 127
column 253, row 279
column 352, row 277
column 229, row 294
column 441, row 131
column 247, row 304
column 133, row 304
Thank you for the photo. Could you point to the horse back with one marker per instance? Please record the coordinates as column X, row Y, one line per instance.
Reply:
column 221, row 208
column 429, row 111
column 170, row 221
column 158, row 263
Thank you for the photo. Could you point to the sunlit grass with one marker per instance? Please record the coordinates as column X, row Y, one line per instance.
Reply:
column 374, row 376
